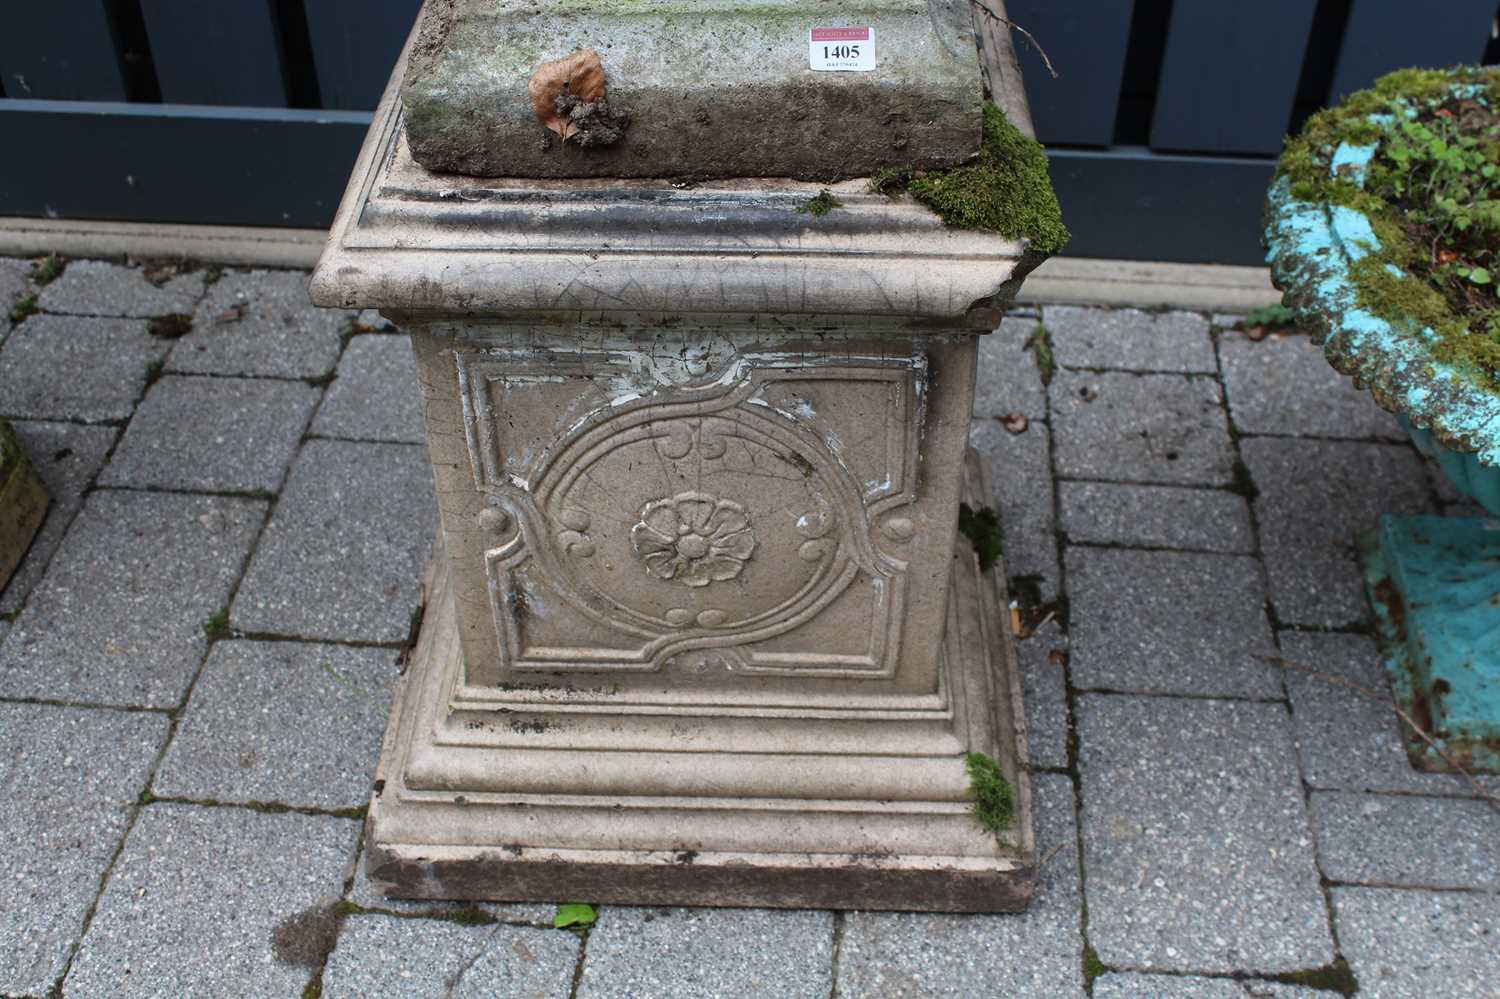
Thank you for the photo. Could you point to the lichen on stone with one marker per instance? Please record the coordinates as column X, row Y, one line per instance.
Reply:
column 1006, row 189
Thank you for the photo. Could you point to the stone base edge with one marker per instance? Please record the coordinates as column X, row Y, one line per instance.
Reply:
column 452, row 845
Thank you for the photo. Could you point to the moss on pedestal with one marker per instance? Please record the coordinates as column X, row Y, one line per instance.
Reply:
column 1006, row 189
column 994, row 799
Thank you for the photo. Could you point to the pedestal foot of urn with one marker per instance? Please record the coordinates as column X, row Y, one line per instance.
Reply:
column 1435, row 586
column 857, row 801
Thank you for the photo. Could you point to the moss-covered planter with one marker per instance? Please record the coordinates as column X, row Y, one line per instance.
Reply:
column 1419, row 325
column 1340, row 256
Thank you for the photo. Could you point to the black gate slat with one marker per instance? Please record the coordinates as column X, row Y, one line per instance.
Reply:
column 216, row 53
column 1382, row 35
column 61, row 50
column 185, row 164
column 1229, row 75
column 1086, row 43
column 355, row 44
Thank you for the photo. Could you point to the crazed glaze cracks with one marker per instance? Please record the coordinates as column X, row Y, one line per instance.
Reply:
column 693, row 538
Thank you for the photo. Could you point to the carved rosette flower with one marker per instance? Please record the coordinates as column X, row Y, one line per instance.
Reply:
column 693, row 538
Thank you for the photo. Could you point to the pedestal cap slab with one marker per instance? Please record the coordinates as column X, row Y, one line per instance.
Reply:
column 712, row 88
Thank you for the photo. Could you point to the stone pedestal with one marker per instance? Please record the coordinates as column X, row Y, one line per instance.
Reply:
column 700, row 628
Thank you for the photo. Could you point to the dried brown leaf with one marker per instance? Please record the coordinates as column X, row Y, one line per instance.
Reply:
column 579, row 75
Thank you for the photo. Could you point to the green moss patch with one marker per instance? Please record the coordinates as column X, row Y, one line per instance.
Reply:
column 822, row 204
column 1431, row 193
column 994, row 798
column 1005, row 190
column 982, row 528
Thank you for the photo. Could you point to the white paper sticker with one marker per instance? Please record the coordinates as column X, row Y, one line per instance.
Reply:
column 841, row 50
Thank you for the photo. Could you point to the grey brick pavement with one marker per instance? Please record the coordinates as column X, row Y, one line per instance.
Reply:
column 1314, row 498
column 375, row 395
column 1140, row 428
column 216, row 902
column 387, row 957
column 330, row 704
column 261, row 323
column 1035, row 955
column 1417, row 944
column 1281, row 385
column 213, row 435
column 66, row 368
column 71, row 778
column 97, row 288
column 1197, row 850
column 106, row 625
column 1130, row 340
column 1222, row 838
column 343, row 556
column 1170, row 623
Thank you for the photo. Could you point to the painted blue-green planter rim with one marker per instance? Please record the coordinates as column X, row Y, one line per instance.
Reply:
column 1311, row 247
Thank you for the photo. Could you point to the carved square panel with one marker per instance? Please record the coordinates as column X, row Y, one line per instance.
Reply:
column 710, row 503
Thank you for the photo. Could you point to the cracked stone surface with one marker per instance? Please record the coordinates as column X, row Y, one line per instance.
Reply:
column 213, row 435
column 97, row 288
column 1196, row 841
column 290, row 722
column 388, row 957
column 730, row 953
column 1035, row 955
column 1129, row 339
column 67, row 456
column 106, row 625
column 72, row 777
column 1140, row 428
column 69, row 368
column 217, row 902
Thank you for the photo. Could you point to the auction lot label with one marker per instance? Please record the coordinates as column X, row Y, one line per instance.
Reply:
column 841, row 50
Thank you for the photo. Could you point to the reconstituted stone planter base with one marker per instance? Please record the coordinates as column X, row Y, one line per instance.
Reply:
column 23, row 503
column 1435, row 586
column 476, row 800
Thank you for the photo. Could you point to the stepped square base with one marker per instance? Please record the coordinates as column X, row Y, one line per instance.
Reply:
column 1435, row 586
column 852, row 800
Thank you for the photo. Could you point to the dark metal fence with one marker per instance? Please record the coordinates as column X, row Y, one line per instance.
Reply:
column 1162, row 125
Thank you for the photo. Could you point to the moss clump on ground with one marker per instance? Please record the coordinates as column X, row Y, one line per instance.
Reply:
column 823, row 203
column 1005, row 190
column 25, row 307
column 982, row 528
column 1431, row 193
column 994, row 799
column 47, row 270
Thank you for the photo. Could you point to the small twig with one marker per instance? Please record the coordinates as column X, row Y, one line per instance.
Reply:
column 1050, row 854
column 1408, row 719
column 989, row 12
